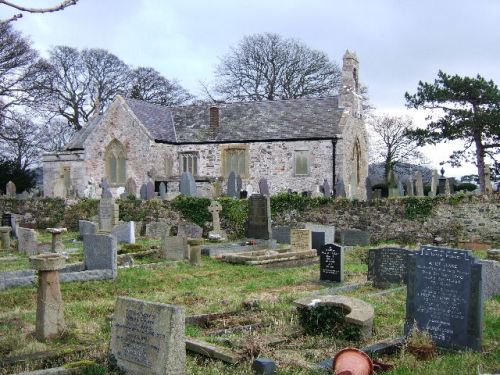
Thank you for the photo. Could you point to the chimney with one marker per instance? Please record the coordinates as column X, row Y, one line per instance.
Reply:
column 214, row 117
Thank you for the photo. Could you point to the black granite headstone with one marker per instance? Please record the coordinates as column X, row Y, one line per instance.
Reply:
column 318, row 240
column 331, row 263
column 281, row 234
column 388, row 265
column 259, row 217
column 444, row 297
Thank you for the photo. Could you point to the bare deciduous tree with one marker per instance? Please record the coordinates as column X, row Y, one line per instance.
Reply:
column 149, row 85
column 391, row 143
column 269, row 67
column 55, row 8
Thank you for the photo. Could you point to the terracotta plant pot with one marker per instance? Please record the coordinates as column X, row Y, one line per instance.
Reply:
column 351, row 361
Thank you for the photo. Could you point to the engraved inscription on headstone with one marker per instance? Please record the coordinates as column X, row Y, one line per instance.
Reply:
column 331, row 263
column 300, row 239
column 259, row 217
column 388, row 265
column 444, row 296
column 106, row 214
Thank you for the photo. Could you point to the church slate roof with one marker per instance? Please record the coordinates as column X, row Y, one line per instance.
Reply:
column 76, row 143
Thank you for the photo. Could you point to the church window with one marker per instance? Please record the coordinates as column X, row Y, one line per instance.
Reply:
column 189, row 162
column 301, row 163
column 235, row 160
column 115, row 160
column 356, row 156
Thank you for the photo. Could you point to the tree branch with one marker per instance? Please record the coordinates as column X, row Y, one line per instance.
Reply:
column 55, row 8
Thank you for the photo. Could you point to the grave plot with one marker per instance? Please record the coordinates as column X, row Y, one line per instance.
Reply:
column 267, row 257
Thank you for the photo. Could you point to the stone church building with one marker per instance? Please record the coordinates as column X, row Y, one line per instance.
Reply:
column 295, row 144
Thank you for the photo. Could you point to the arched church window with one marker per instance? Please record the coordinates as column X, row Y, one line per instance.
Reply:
column 115, row 160
column 356, row 156
column 356, row 80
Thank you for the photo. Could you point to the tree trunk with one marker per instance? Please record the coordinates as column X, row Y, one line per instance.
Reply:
column 480, row 162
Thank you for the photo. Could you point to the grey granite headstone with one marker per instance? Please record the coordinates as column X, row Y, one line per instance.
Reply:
column 143, row 192
column 87, row 227
column 124, row 233
column 491, row 278
column 340, row 188
column 27, row 241
column 148, row 337
column 263, row 187
column 174, row 247
column 163, row 190
column 388, row 265
column 157, row 229
column 190, row 230
column 259, row 217
column 354, row 237
column 442, row 185
column 331, row 263
column 150, row 190
column 326, row 188
column 231, row 185
column 317, row 240
column 281, row 233
column 444, row 297
column 187, row 185
column 369, row 189
column 100, row 252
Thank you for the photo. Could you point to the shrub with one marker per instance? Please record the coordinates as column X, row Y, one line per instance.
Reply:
column 419, row 207
column 82, row 210
column 193, row 208
column 234, row 215
column 467, row 186
column 327, row 320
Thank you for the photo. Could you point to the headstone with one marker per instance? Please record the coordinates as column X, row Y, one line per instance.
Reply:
column 143, row 192
column 281, row 234
column 131, row 187
column 190, row 230
column 87, row 227
column 300, row 239
column 419, row 184
column 174, row 247
column 354, row 237
column 150, row 190
column 216, row 189
column 148, row 337
column 317, row 192
column 10, row 189
column 409, row 187
column 27, row 242
column 239, row 184
column 100, row 252
column 331, row 261
column 243, row 194
column 163, row 190
column 157, row 229
column 216, row 232
column 451, row 184
column 264, row 187
column 401, row 189
column 264, row 366
column 187, row 185
column 388, row 265
column 5, row 238
column 259, row 217
column 444, row 297
column 107, row 213
column 195, row 251
column 327, row 191
column 124, row 233
column 317, row 240
column 491, row 278
column 231, row 185
column 10, row 220
column 447, row 189
column 340, row 188
column 434, row 183
column 329, row 231
column 106, row 189
column 369, row 189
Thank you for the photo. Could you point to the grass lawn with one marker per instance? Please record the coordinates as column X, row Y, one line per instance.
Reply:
column 216, row 287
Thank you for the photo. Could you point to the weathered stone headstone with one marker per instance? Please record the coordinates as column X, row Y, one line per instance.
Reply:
column 174, row 247
column 190, row 230
column 326, row 188
column 148, row 337
column 131, row 187
column 409, row 187
column 27, row 241
column 195, row 250
column 491, row 278
column 419, row 184
column 157, row 229
column 216, row 232
column 317, row 192
column 388, row 265
column 281, row 234
column 434, row 183
column 487, row 179
column 10, row 189
column 231, row 185
column 369, row 188
column 444, row 297
column 106, row 189
column 150, row 190
column 100, row 252
column 300, row 239
column 107, row 212
column 124, row 233
column 331, row 263
column 239, row 184
column 452, row 182
column 340, row 188
column 447, row 188
column 187, row 185
column 87, row 227
column 163, row 190
column 264, row 187
column 354, row 237
column 143, row 192
column 259, row 217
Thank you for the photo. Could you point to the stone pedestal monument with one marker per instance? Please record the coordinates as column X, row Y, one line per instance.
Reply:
column 57, row 244
column 195, row 250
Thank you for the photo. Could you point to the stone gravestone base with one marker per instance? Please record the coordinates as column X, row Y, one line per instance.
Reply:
column 148, row 338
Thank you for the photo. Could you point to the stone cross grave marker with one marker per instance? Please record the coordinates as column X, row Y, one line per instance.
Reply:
column 259, row 217
column 10, row 189
column 187, row 185
column 388, row 265
column 231, row 185
column 331, row 263
column 419, row 184
column 27, row 241
column 107, row 214
column 148, row 337
column 214, row 209
column 300, row 239
column 264, row 187
column 163, row 190
column 444, row 297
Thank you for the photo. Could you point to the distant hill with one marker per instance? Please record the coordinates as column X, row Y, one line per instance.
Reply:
column 401, row 170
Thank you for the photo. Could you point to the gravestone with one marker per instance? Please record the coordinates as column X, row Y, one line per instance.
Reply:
column 216, row 232
column 150, row 190
column 369, row 188
column 174, row 247
column 444, row 297
column 491, row 278
column 326, row 188
column 281, row 234
column 231, row 185
column 100, row 252
column 317, row 192
column 106, row 189
column 487, row 179
column 388, row 265
column 340, row 188
column 124, row 233
column 300, row 239
column 10, row 189
column 87, row 227
column 259, row 217
column 190, row 230
column 10, row 220
column 107, row 212
column 354, row 237
column 27, row 242
column 451, row 182
column 243, row 194
column 148, row 337
column 239, row 184
column 157, row 229
column 187, row 185
column 329, row 230
column 447, row 188
column 143, row 192
column 419, row 184
column 434, row 183
column 131, row 187
column 264, row 187
column 442, row 183
column 401, row 189
column 317, row 240
column 409, row 187
column 163, row 190
column 331, row 263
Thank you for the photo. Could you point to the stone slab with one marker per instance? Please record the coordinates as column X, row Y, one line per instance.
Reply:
column 157, row 229
column 100, row 252
column 300, row 240
column 190, row 230
column 174, row 247
column 212, row 351
column 388, row 265
column 329, row 231
column 124, row 233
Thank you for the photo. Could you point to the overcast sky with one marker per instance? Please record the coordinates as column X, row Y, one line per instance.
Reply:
column 398, row 42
